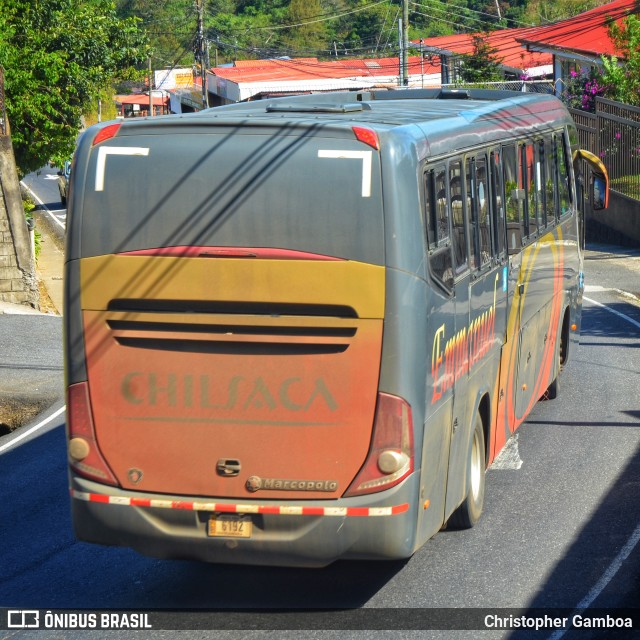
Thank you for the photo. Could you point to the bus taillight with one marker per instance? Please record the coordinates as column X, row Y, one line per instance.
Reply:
column 368, row 136
column 390, row 459
column 84, row 454
column 108, row 132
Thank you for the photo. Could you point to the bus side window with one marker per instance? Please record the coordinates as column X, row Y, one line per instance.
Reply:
column 497, row 196
column 564, row 188
column 529, row 166
column 437, row 223
column 459, row 235
column 514, row 196
column 551, row 181
column 472, row 211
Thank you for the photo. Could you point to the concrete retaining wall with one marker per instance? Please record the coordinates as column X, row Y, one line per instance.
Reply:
column 619, row 224
column 18, row 282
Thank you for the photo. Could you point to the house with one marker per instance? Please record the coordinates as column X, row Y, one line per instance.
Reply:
column 259, row 79
column 577, row 43
column 137, row 104
column 515, row 61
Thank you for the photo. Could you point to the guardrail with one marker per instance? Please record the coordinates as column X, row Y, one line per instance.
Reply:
column 613, row 134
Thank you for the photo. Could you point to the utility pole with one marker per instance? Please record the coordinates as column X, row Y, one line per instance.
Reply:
column 202, row 53
column 405, row 43
column 400, row 54
column 150, row 90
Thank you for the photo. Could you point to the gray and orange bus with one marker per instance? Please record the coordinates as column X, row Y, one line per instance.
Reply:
column 300, row 330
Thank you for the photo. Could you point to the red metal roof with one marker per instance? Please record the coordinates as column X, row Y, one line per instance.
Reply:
column 141, row 100
column 585, row 33
column 508, row 49
column 312, row 68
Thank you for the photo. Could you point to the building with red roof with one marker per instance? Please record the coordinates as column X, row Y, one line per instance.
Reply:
column 256, row 79
column 515, row 61
column 137, row 104
column 578, row 43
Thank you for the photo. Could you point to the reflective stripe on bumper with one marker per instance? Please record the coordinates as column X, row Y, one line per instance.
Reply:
column 285, row 510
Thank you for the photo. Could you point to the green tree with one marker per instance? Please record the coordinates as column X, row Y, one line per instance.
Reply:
column 623, row 80
column 58, row 55
column 307, row 34
column 170, row 27
column 483, row 65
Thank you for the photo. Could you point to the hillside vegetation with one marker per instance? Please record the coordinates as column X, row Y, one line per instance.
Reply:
column 253, row 29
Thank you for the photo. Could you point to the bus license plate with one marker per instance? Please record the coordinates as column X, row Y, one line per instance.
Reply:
column 229, row 526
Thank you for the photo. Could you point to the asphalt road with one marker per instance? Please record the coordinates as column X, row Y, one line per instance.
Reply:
column 562, row 530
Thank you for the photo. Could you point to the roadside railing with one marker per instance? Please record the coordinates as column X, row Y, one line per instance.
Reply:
column 613, row 134
column 526, row 86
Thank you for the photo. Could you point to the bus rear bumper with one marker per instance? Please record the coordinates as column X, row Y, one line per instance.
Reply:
column 304, row 534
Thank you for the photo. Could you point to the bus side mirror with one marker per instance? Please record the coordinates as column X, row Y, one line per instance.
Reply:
column 599, row 179
column 599, row 193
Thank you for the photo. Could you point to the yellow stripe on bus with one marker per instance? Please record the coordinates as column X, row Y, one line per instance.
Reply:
column 349, row 283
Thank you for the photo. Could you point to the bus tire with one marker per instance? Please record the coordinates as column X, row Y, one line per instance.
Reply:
column 469, row 512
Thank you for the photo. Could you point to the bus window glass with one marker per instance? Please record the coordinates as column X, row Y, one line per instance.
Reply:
column 442, row 210
column 564, row 190
column 541, row 184
column 497, row 194
column 430, row 209
column 483, row 206
column 532, row 181
column 472, row 211
column 437, row 214
column 514, row 197
column 550, row 174
column 457, row 216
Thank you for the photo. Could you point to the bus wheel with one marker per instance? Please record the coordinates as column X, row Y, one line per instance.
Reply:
column 468, row 513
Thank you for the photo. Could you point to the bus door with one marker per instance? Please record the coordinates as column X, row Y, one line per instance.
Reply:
column 456, row 350
column 511, row 199
column 536, row 284
column 488, row 287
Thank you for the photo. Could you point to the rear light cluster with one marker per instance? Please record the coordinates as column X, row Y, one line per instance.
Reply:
column 107, row 132
column 84, row 454
column 391, row 457
column 368, row 136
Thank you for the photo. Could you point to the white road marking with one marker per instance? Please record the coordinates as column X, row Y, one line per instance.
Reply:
column 633, row 540
column 635, row 323
column 33, row 429
column 606, row 578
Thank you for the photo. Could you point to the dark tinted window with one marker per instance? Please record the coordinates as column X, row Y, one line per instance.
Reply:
column 224, row 188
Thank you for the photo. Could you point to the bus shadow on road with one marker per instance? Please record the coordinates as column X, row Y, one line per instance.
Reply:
column 593, row 579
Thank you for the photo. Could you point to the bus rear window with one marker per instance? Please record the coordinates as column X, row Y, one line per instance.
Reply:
column 305, row 193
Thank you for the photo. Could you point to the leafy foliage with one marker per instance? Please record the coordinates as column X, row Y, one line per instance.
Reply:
column 57, row 56
column 624, row 82
column 582, row 88
column 483, row 64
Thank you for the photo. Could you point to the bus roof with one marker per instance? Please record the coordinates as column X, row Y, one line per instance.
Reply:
column 448, row 119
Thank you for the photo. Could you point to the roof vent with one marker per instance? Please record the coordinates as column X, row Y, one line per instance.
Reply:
column 454, row 94
column 301, row 107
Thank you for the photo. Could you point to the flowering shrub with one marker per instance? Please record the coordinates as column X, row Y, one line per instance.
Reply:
column 582, row 88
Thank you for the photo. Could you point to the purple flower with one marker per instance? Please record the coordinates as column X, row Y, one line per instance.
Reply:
column 618, row 136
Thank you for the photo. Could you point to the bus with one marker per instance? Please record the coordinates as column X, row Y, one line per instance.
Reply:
column 300, row 330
